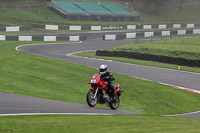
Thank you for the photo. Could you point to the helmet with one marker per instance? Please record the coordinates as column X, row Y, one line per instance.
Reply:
column 103, row 69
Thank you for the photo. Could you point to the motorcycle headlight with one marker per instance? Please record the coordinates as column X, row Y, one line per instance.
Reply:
column 93, row 81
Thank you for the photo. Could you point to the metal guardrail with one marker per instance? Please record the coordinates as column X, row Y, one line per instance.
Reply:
column 151, row 34
column 42, row 38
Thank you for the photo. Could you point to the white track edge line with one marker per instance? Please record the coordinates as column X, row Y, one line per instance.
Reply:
column 17, row 48
column 29, row 114
column 71, row 54
column 184, row 114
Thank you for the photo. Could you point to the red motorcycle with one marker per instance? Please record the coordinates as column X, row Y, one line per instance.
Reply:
column 100, row 93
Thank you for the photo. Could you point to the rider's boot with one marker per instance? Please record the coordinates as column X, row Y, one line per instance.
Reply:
column 105, row 95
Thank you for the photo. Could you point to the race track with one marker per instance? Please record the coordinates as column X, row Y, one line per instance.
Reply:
column 62, row 51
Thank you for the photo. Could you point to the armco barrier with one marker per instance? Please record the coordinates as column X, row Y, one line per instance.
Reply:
column 150, row 57
column 110, row 27
column 41, row 38
column 117, row 27
column 151, row 34
column 15, row 28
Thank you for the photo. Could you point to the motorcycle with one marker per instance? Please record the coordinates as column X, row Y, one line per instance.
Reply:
column 100, row 93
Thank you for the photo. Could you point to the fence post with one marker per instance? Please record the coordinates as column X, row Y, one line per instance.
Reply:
column 182, row 40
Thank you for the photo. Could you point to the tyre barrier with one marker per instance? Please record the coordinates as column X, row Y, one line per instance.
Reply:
column 150, row 57
column 151, row 34
column 41, row 38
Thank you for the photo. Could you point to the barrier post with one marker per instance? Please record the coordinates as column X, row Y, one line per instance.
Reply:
column 182, row 40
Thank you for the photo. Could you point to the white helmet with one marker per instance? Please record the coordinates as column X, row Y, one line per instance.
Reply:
column 103, row 69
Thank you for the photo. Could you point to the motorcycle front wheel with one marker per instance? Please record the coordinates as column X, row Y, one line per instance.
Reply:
column 91, row 101
column 114, row 105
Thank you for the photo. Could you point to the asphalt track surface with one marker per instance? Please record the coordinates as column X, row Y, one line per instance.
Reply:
column 18, row 104
column 62, row 51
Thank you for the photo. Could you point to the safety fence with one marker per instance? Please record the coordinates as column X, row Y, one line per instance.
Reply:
column 42, row 38
column 150, row 57
column 151, row 34
column 117, row 27
column 97, row 28
column 14, row 28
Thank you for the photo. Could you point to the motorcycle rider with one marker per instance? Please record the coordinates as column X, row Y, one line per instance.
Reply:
column 108, row 77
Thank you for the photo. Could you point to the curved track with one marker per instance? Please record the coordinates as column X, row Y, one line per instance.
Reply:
column 61, row 51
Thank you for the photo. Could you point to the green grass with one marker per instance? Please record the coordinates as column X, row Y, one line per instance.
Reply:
column 27, row 17
column 20, row 2
column 92, row 54
column 185, row 48
column 189, row 49
column 173, row 15
column 19, row 33
column 98, row 124
column 32, row 75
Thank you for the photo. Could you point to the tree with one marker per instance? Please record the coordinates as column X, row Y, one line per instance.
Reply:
column 182, row 3
column 155, row 4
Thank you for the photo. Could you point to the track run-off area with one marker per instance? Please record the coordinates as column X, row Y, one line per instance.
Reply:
column 12, row 104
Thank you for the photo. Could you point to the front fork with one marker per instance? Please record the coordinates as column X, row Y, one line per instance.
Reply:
column 96, row 92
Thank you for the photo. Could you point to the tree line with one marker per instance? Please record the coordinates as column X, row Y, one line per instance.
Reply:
column 156, row 4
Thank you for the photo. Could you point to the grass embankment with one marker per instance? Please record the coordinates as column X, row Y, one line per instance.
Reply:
column 20, row 2
column 27, row 17
column 172, row 15
column 185, row 48
column 43, row 77
column 98, row 124
column 189, row 49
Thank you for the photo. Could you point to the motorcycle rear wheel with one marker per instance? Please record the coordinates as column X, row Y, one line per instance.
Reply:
column 90, row 98
column 115, row 105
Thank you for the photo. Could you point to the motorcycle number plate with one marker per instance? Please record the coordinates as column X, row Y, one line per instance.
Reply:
column 93, row 81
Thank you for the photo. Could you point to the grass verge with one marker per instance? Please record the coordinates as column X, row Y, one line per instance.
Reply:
column 184, row 48
column 189, row 49
column 37, row 76
column 98, row 124
column 27, row 17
